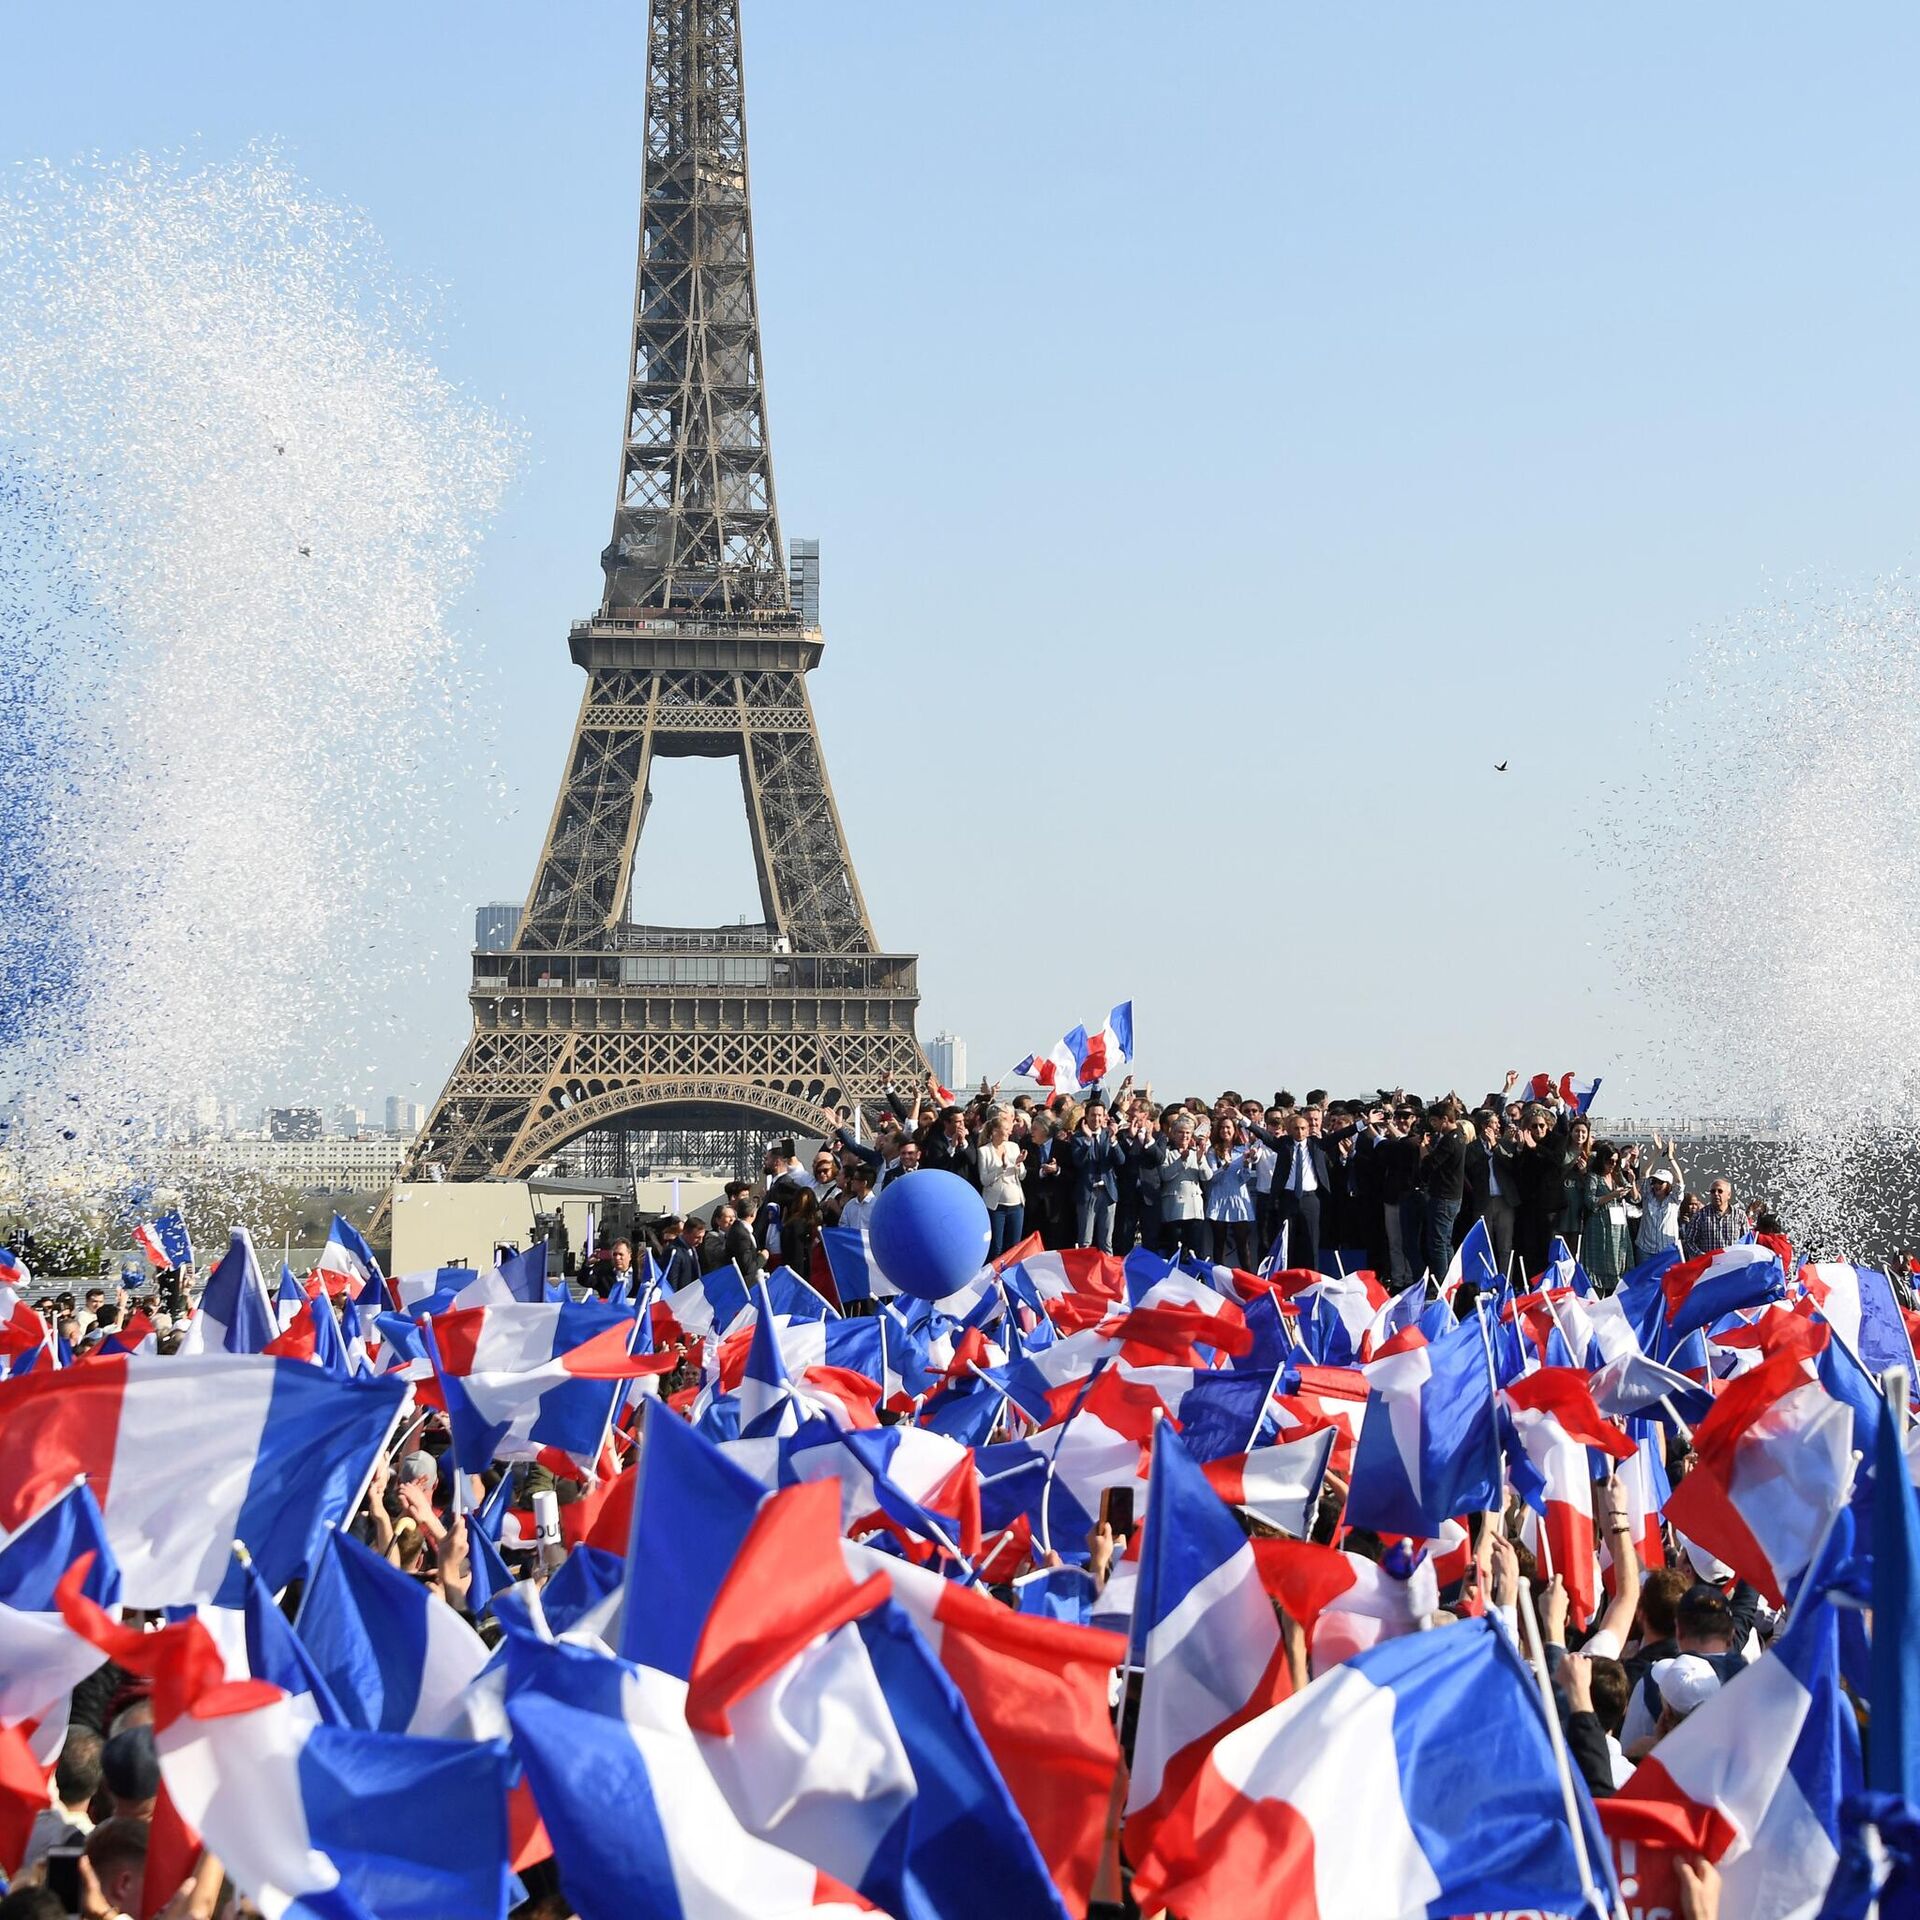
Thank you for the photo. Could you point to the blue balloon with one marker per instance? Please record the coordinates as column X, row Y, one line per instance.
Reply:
column 929, row 1233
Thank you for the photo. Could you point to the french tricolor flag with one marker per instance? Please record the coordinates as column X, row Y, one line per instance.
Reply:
column 13, row 1270
column 1756, row 1774
column 1556, row 1421
column 236, row 1313
column 395, row 1657
column 1578, row 1094
column 271, row 1452
column 1343, row 1602
column 1203, row 1631
column 1773, row 1461
column 347, row 1261
column 1058, row 1067
column 139, row 1335
column 41, row 1658
column 1278, row 1485
column 1379, row 1791
column 1037, row 1690
column 1095, row 1055
column 1429, row 1447
column 147, row 1239
column 1865, row 1313
column 522, row 1379
column 1708, row 1288
column 284, row 1798
column 674, row 1835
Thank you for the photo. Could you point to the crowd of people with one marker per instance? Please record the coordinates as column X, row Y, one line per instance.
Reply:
column 1390, row 1182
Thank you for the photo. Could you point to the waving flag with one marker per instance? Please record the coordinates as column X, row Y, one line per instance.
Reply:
column 186, row 1455
column 285, row 1801
column 856, row 1273
column 1756, row 1774
column 1416, row 1778
column 1773, row 1460
column 920, row 1483
column 1472, row 1261
column 1555, row 1421
column 1344, row 1603
column 1202, row 1630
column 675, row 1845
column 1277, row 1485
column 1056, row 1068
column 313, row 1334
column 147, row 1239
column 1082, row 1058
column 715, row 1304
column 522, row 1378
column 900, row 1800
column 41, row 1658
column 396, row 1657
column 1037, row 1690
column 1578, row 1094
column 1429, row 1447
column 1701, row 1291
column 1097, row 1054
column 691, row 1511
column 1865, row 1313
column 1896, row 1611
column 137, row 1336
column 346, row 1260
column 236, row 1312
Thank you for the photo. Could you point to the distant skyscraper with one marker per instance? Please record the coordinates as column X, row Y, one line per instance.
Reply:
column 495, row 924
column 404, row 1116
column 350, row 1121
column 294, row 1123
column 803, row 580
column 947, row 1053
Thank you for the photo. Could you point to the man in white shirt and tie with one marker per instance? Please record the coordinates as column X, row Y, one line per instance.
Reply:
column 1300, row 1178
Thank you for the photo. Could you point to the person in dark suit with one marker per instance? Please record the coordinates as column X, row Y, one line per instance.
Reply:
column 1539, row 1174
column 741, row 1246
column 1096, row 1158
column 1301, row 1181
column 683, row 1265
column 1489, row 1185
column 948, row 1149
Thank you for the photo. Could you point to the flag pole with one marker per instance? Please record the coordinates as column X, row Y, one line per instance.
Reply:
column 1556, row 1738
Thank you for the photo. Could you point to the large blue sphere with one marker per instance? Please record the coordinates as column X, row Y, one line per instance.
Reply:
column 929, row 1233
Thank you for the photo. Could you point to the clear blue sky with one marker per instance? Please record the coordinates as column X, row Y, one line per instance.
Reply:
column 1230, row 428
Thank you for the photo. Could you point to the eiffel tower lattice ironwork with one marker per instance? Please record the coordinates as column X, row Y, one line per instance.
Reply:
column 591, row 1019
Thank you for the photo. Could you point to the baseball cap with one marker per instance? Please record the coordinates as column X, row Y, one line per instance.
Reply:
column 1685, row 1682
column 419, row 1466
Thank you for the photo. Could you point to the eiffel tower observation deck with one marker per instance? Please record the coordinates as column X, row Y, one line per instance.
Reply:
column 596, row 1021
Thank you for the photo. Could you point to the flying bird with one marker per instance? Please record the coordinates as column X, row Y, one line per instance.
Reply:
column 1501, row 767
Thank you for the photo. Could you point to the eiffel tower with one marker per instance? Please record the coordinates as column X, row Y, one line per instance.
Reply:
column 591, row 1020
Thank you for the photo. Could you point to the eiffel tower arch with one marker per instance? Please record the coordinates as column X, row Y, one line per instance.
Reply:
column 701, row 647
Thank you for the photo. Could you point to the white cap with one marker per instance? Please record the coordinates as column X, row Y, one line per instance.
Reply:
column 1685, row 1682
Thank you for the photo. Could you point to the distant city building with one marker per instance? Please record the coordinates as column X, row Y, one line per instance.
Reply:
column 294, row 1123
column 803, row 579
column 349, row 1122
column 495, row 925
column 405, row 1116
column 947, row 1053
column 357, row 1166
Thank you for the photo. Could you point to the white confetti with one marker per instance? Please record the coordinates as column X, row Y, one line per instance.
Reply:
column 238, row 502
